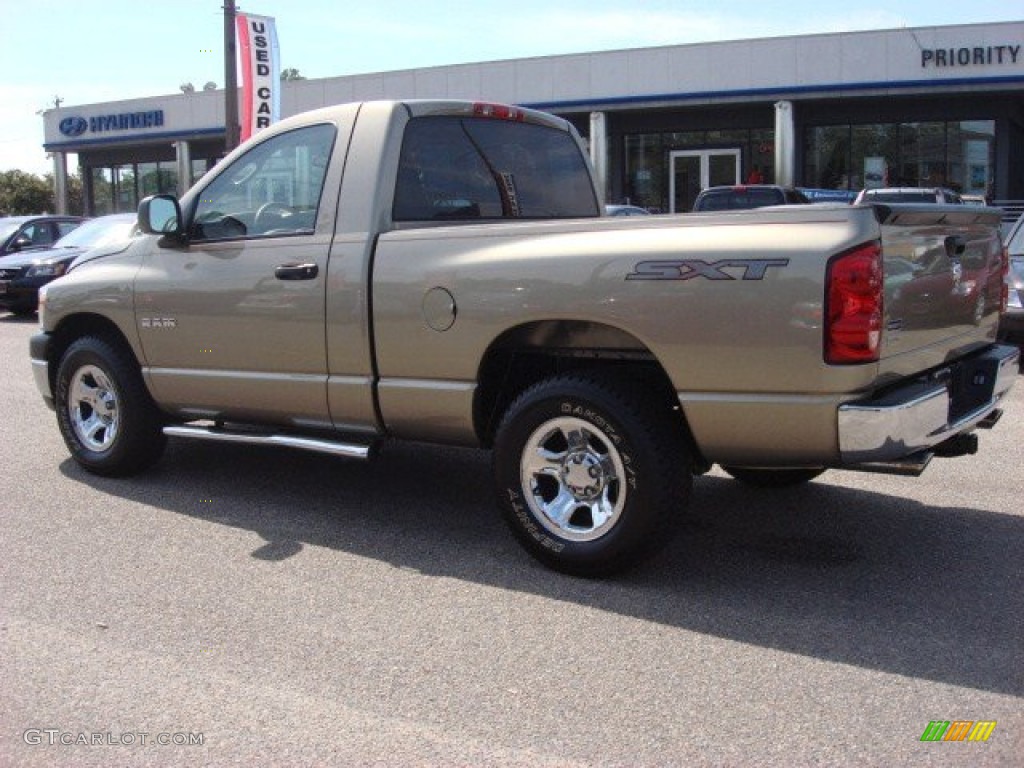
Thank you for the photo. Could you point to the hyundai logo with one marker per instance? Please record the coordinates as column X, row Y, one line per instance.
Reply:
column 73, row 126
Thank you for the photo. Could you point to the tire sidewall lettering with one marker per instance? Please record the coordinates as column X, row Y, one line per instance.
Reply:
column 519, row 508
column 587, row 413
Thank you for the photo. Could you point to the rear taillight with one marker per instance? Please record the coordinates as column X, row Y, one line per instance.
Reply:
column 853, row 306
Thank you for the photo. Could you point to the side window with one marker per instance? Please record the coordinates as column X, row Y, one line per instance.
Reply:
column 64, row 227
column 39, row 233
column 272, row 190
column 479, row 168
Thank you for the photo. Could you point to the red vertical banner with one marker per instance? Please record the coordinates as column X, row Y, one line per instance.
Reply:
column 261, row 73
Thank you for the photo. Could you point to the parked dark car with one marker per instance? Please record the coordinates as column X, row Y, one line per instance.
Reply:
column 18, row 233
column 22, row 274
column 938, row 195
column 746, row 196
column 1012, row 323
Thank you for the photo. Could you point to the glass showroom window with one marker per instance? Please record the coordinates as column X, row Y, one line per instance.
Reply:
column 645, row 172
column 200, row 165
column 874, row 156
column 958, row 155
column 827, row 157
column 972, row 149
column 647, row 159
column 761, row 154
column 102, row 191
column 156, row 177
column 125, row 199
column 922, row 155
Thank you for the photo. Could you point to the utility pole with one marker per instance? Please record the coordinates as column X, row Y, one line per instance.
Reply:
column 231, row 129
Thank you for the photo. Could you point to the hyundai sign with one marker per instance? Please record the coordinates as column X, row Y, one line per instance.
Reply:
column 76, row 126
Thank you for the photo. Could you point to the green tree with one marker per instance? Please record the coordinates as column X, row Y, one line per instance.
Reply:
column 24, row 193
column 76, row 200
column 291, row 74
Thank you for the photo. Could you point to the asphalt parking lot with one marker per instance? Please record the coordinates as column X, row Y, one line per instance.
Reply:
column 252, row 606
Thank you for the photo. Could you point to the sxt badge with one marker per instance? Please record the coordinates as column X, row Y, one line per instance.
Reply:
column 687, row 269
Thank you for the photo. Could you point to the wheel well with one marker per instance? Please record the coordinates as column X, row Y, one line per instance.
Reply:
column 76, row 327
column 531, row 353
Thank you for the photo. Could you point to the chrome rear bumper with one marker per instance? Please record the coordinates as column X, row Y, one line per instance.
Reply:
column 919, row 415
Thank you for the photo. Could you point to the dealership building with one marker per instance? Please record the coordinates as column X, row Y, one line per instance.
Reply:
column 926, row 106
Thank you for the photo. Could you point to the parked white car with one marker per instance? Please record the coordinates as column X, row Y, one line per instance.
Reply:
column 939, row 195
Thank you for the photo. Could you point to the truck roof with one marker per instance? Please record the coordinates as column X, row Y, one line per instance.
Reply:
column 429, row 107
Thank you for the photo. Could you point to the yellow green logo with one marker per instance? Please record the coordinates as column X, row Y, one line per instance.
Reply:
column 958, row 730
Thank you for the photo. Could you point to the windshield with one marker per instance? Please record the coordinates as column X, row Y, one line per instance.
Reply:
column 101, row 231
column 7, row 229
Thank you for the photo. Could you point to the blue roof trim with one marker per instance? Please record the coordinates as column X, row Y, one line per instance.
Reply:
column 74, row 146
column 777, row 91
column 608, row 101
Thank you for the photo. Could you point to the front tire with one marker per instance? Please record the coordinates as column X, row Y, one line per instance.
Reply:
column 107, row 418
column 591, row 476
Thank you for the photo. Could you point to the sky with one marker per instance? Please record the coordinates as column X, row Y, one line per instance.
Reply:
column 83, row 52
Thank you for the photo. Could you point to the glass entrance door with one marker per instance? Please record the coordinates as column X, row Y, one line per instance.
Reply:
column 693, row 170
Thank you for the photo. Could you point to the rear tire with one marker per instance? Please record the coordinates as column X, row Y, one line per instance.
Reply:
column 108, row 421
column 773, row 478
column 591, row 476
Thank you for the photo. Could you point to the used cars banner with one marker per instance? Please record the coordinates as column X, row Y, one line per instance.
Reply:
column 261, row 72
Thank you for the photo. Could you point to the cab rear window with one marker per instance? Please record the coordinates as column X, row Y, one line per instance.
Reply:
column 457, row 168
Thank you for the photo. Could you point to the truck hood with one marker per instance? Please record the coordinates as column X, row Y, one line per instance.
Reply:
column 91, row 254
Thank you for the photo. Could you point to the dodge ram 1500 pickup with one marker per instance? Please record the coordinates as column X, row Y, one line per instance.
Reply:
column 441, row 272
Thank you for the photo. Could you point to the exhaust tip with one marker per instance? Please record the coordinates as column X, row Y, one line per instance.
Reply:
column 957, row 445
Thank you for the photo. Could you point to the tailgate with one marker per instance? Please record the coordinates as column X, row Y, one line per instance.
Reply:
column 943, row 283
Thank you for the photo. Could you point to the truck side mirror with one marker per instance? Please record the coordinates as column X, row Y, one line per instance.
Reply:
column 161, row 215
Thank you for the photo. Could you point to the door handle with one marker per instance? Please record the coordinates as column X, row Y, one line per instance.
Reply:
column 296, row 271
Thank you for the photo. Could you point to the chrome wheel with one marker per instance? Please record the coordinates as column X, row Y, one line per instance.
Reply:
column 591, row 471
column 574, row 474
column 92, row 408
column 107, row 418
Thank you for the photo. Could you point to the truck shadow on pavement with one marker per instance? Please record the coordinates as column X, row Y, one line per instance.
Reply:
column 840, row 574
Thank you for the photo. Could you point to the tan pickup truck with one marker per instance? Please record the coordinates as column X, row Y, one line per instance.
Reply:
column 441, row 271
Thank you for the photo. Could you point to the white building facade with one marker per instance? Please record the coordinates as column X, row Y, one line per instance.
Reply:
column 930, row 106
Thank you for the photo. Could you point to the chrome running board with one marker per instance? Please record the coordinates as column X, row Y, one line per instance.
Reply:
column 319, row 445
